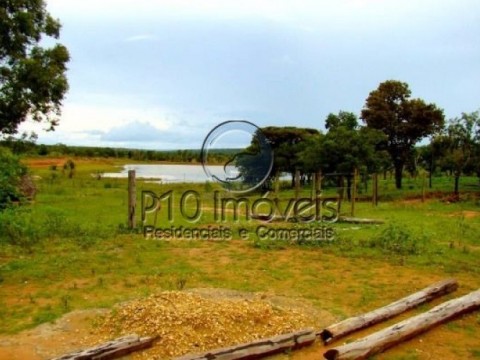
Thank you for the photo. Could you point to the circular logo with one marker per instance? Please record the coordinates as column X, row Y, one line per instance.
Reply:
column 248, row 152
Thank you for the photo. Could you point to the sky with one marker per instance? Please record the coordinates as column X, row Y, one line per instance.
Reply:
column 160, row 74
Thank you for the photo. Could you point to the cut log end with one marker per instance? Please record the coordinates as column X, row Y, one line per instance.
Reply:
column 326, row 336
column 331, row 354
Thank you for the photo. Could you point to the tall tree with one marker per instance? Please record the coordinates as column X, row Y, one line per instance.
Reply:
column 461, row 144
column 287, row 143
column 345, row 119
column 404, row 121
column 32, row 78
column 344, row 148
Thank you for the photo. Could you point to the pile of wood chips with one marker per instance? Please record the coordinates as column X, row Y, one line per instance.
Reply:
column 189, row 323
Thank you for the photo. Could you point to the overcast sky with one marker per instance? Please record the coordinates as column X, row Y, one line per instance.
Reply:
column 160, row 74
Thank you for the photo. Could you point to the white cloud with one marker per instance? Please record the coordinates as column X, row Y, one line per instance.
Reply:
column 142, row 37
column 89, row 119
column 285, row 61
column 99, row 123
column 136, row 131
column 82, row 117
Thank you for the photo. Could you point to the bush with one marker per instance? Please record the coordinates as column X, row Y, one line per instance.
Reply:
column 397, row 239
column 11, row 173
column 23, row 228
column 18, row 227
column 70, row 167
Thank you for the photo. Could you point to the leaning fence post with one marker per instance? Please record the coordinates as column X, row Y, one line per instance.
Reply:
column 132, row 199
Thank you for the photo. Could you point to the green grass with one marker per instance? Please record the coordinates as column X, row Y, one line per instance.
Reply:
column 71, row 250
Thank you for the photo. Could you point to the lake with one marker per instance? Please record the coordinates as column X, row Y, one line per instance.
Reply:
column 167, row 172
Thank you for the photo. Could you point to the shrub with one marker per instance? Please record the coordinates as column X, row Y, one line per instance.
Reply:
column 399, row 240
column 18, row 227
column 70, row 167
column 11, row 173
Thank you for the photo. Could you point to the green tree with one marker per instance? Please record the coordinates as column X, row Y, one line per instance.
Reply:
column 11, row 173
column 461, row 145
column 404, row 121
column 42, row 150
column 287, row 143
column 346, row 147
column 345, row 119
column 24, row 144
column 32, row 78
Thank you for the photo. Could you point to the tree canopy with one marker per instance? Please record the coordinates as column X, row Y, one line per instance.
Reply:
column 287, row 144
column 11, row 173
column 33, row 78
column 459, row 146
column 404, row 121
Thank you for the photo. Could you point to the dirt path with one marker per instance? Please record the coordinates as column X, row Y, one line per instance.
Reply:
column 76, row 330
column 70, row 332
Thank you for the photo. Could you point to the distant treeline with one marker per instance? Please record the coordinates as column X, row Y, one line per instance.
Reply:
column 28, row 147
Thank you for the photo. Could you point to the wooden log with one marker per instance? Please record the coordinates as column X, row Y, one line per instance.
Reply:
column 402, row 331
column 112, row 349
column 356, row 220
column 352, row 324
column 259, row 348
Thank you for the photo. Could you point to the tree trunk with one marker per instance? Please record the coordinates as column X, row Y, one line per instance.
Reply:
column 341, row 187
column 350, row 325
column 457, row 181
column 349, row 188
column 365, row 182
column 405, row 330
column 398, row 174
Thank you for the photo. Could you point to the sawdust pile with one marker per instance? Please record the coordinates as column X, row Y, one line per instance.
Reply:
column 190, row 323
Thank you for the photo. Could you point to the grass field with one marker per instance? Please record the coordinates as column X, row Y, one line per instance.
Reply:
column 71, row 250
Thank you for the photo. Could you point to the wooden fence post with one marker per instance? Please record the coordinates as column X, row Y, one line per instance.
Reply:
column 375, row 190
column 277, row 183
column 423, row 188
column 354, row 191
column 132, row 199
column 318, row 182
column 312, row 190
column 297, row 184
